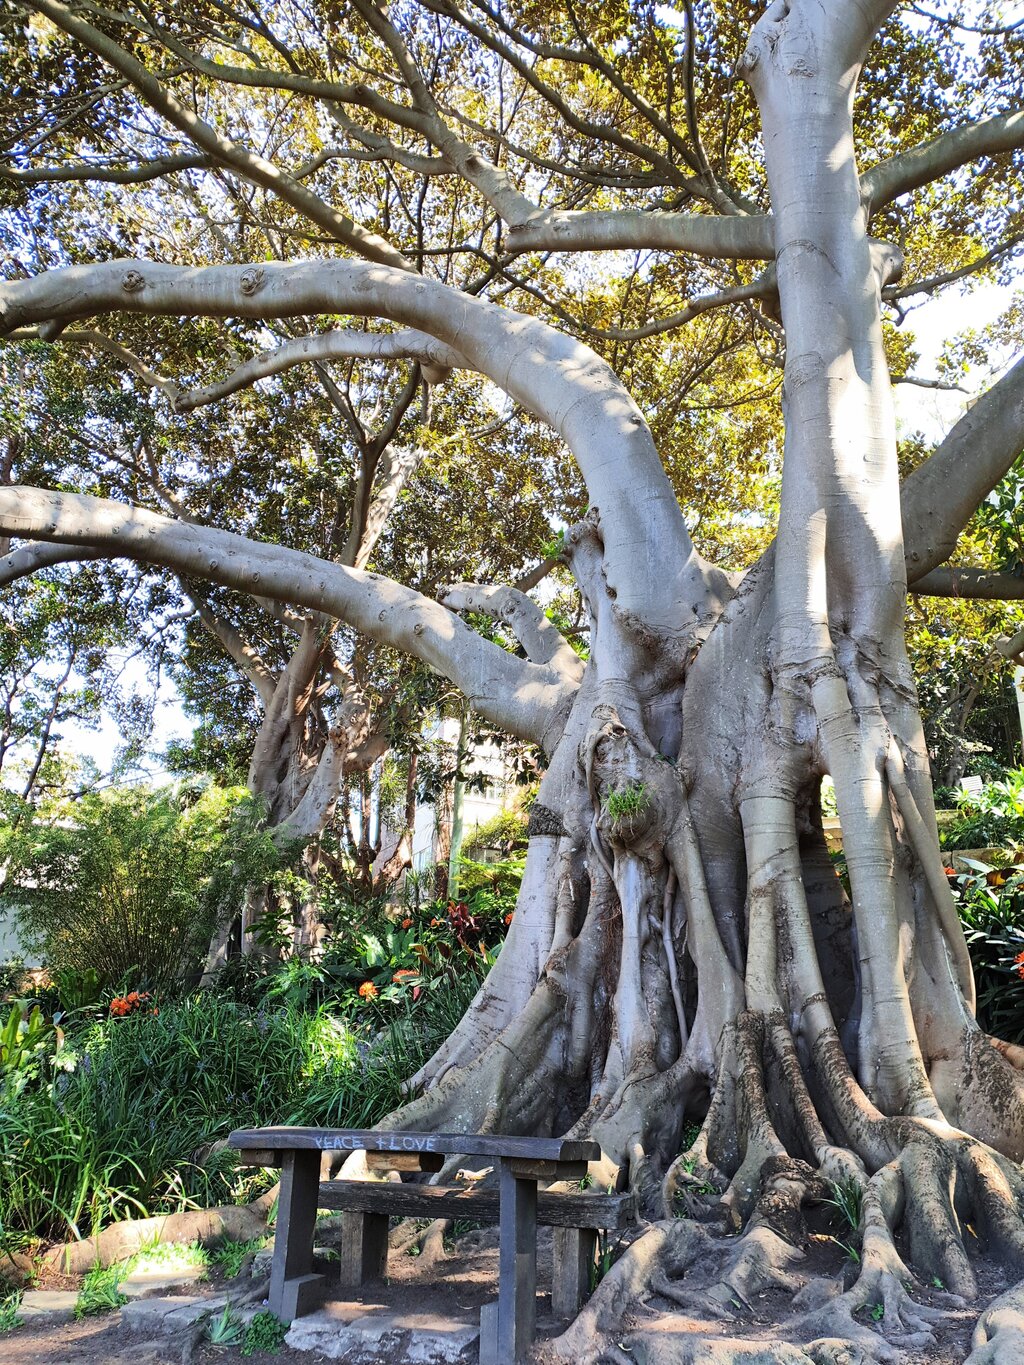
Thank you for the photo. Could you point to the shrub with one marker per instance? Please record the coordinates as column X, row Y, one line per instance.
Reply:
column 127, row 1131
column 11, row 974
column 505, row 830
column 993, row 817
column 130, row 882
column 992, row 913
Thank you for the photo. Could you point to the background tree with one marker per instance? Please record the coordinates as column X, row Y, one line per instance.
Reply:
column 681, row 944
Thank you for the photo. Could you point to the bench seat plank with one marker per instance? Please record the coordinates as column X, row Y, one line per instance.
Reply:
column 450, row 1144
column 606, row 1212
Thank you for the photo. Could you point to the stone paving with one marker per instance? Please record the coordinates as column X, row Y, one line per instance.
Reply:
column 359, row 1333
column 365, row 1334
column 47, row 1307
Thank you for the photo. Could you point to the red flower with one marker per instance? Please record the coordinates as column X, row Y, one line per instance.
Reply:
column 407, row 923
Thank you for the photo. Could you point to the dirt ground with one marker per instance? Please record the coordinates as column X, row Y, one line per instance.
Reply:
column 457, row 1286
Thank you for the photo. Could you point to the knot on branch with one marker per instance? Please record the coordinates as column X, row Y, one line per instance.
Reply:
column 132, row 281
column 251, row 279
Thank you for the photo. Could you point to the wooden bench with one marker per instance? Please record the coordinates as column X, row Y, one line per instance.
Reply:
column 507, row 1329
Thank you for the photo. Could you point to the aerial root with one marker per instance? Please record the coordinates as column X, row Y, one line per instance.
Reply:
column 238, row 1223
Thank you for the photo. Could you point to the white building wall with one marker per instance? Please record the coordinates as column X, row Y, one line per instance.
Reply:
column 477, row 806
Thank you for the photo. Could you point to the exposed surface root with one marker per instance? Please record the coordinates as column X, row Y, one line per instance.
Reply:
column 676, row 1343
column 666, row 1250
column 999, row 1335
column 121, row 1240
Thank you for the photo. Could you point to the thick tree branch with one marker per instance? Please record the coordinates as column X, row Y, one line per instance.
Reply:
column 244, row 656
column 983, row 584
column 941, row 495
column 113, row 175
column 492, row 182
column 528, row 700
column 398, row 466
column 931, row 160
column 737, row 237
column 227, row 152
column 435, row 357
column 554, row 376
column 543, row 642
column 36, row 555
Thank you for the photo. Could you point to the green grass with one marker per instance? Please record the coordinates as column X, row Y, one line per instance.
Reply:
column 101, row 1287
column 100, row 1291
column 624, row 802
column 9, row 1306
column 229, row 1256
column 848, row 1201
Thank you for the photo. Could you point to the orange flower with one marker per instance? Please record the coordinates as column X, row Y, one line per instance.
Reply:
column 1019, row 957
column 407, row 923
column 368, row 990
column 949, row 871
column 434, row 923
column 508, row 918
column 399, row 977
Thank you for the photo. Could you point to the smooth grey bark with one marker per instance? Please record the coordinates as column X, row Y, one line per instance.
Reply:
column 984, row 584
column 940, row 496
column 523, row 698
column 554, row 376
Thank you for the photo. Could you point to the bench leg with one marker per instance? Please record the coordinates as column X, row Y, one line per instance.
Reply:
column 364, row 1248
column 294, row 1289
column 517, row 1267
column 575, row 1250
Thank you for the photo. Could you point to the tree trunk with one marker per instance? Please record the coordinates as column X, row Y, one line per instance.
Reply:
column 680, row 933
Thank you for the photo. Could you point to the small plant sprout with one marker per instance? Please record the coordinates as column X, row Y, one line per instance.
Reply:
column 225, row 1329
column 848, row 1201
column 100, row 1291
column 265, row 1332
column 9, row 1306
column 622, row 803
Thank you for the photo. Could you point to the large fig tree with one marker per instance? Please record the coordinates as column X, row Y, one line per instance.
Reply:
column 681, row 945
